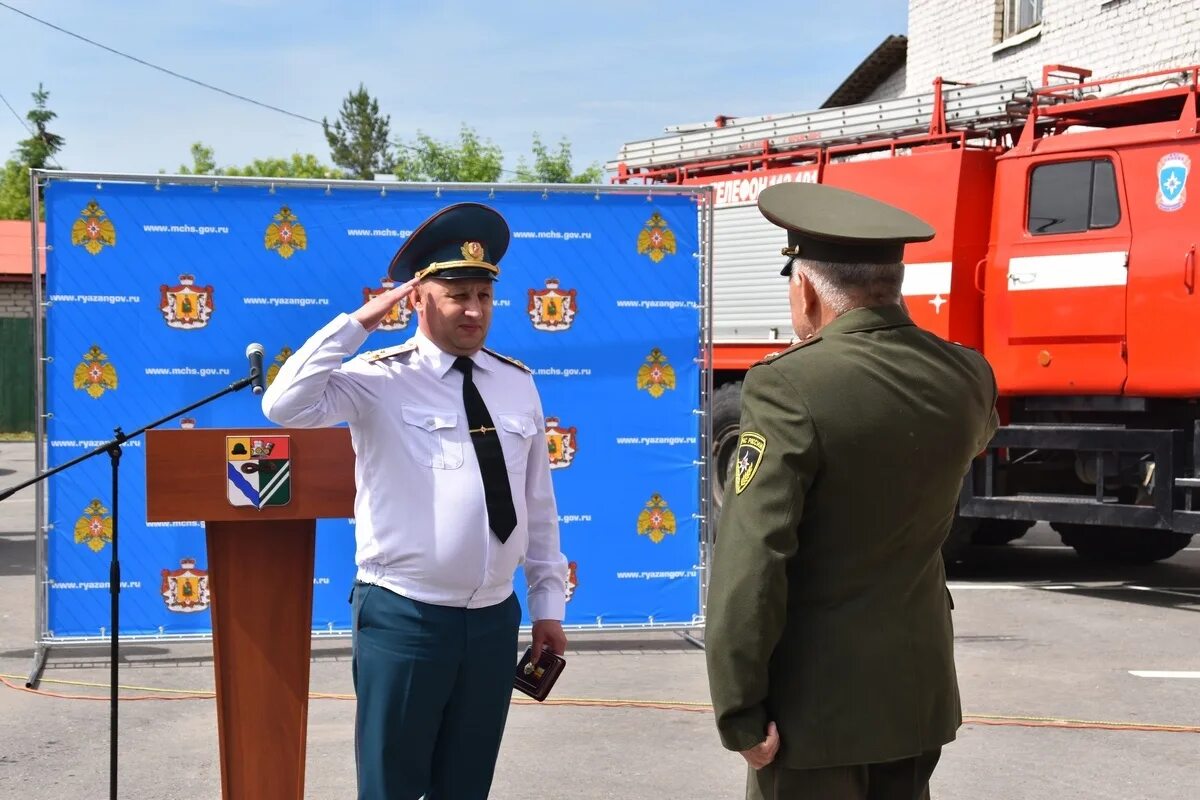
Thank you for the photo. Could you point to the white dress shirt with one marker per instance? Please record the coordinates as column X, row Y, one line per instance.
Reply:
column 420, row 516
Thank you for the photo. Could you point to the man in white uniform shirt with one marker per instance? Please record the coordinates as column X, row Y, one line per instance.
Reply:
column 453, row 494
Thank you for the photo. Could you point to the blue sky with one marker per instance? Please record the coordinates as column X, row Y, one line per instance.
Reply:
column 598, row 73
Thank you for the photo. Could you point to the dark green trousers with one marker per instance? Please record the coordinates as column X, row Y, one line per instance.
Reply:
column 433, row 686
column 907, row 779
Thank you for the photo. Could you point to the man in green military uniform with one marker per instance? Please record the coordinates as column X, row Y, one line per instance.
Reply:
column 829, row 641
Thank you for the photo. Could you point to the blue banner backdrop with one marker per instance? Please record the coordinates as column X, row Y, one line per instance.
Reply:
column 155, row 290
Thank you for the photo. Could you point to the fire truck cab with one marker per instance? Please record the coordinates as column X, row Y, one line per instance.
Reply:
column 1066, row 253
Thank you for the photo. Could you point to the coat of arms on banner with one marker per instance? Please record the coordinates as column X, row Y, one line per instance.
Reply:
column 561, row 444
column 656, row 239
column 656, row 375
column 185, row 590
column 572, row 579
column 273, row 370
column 552, row 309
column 398, row 315
column 1173, row 171
column 186, row 306
column 94, row 528
column 286, row 235
column 95, row 374
column 656, row 520
column 94, row 230
column 259, row 470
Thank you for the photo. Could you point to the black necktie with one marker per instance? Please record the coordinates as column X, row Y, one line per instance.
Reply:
column 496, row 490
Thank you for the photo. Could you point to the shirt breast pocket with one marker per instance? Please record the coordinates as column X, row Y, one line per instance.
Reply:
column 431, row 436
column 516, row 438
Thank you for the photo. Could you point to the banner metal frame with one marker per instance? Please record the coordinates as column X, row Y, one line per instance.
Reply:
column 40, row 178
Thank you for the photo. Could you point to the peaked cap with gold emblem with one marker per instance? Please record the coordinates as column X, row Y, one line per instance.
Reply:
column 826, row 223
column 461, row 241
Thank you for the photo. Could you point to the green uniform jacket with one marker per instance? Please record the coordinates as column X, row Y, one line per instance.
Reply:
column 828, row 611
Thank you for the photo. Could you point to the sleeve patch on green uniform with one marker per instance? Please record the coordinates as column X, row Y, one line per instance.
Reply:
column 750, row 450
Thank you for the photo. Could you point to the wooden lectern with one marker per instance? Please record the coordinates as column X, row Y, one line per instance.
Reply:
column 260, row 564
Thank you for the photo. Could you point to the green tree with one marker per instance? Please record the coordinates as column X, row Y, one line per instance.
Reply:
column 35, row 152
column 14, row 190
column 471, row 160
column 203, row 161
column 299, row 165
column 39, row 149
column 358, row 140
column 551, row 167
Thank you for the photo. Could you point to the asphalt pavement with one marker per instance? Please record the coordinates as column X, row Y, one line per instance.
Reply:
column 1080, row 682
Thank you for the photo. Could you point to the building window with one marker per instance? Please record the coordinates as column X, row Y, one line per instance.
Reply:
column 1073, row 196
column 1020, row 15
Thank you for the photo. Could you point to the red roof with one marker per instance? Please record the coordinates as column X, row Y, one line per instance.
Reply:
column 16, row 260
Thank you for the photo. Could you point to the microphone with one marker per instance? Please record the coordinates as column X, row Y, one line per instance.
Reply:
column 254, row 352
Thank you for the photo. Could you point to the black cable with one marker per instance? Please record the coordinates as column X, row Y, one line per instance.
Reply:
column 172, row 73
column 160, row 69
column 15, row 114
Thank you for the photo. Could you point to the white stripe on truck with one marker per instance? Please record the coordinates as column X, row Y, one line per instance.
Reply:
column 931, row 278
column 1073, row 271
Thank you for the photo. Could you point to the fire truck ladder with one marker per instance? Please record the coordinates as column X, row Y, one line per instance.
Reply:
column 977, row 108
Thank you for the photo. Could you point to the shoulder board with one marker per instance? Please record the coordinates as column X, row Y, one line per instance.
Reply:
column 770, row 357
column 378, row 355
column 508, row 360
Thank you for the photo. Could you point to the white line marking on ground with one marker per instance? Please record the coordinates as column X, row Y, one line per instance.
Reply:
column 1192, row 592
column 1018, row 546
column 996, row 586
column 1193, row 595
column 1041, row 547
column 1148, row 673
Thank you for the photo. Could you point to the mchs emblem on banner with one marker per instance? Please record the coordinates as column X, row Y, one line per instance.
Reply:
column 93, row 230
column 95, row 374
column 285, row 235
column 259, row 470
column 656, row 240
column 656, row 519
column 656, row 375
column 280, row 359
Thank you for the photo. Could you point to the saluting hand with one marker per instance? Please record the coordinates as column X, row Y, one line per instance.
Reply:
column 375, row 309
column 764, row 752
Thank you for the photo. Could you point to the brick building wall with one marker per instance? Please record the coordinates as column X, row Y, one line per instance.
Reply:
column 16, row 300
column 962, row 39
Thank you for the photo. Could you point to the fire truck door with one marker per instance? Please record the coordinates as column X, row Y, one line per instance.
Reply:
column 1065, row 270
column 1164, row 273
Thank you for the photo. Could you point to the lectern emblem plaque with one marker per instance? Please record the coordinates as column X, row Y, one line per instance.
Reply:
column 259, row 470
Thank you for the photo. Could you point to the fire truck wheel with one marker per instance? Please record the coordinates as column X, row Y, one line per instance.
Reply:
column 1124, row 545
column 726, row 422
column 994, row 532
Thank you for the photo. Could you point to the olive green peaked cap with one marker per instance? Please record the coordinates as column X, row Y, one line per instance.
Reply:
column 830, row 224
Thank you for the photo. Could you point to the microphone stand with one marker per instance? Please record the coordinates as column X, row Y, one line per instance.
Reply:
column 113, row 448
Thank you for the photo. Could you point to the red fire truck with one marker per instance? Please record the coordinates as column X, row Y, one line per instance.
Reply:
column 1065, row 251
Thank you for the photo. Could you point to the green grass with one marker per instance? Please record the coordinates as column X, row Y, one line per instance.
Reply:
column 16, row 437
